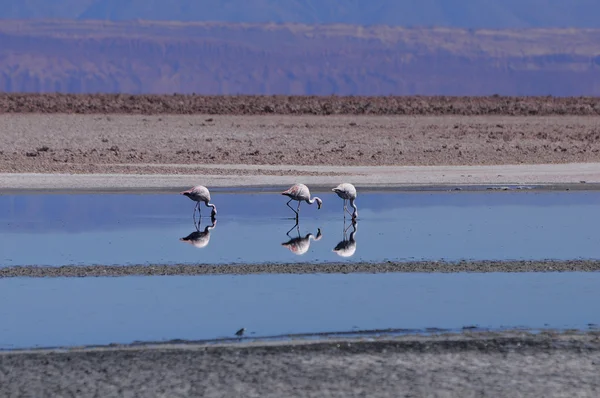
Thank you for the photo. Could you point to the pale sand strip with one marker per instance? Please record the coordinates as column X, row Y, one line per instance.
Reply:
column 365, row 176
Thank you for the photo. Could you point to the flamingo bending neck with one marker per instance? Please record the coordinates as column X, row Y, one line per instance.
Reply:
column 214, row 208
column 355, row 212
column 315, row 198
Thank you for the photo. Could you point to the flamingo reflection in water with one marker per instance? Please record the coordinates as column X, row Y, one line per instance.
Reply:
column 300, row 245
column 347, row 247
column 199, row 238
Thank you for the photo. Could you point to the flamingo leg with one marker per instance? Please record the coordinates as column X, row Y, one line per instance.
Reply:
column 347, row 210
column 295, row 226
column 348, row 227
column 288, row 205
column 298, row 207
column 194, row 216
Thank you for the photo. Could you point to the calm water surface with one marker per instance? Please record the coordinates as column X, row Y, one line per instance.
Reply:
column 82, row 311
column 146, row 228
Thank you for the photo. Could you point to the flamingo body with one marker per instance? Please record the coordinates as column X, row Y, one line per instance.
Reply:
column 347, row 191
column 200, row 194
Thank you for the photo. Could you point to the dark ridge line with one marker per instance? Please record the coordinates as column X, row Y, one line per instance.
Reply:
column 487, row 266
column 178, row 104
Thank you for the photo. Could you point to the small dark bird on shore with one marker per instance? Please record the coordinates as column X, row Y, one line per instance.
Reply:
column 240, row 332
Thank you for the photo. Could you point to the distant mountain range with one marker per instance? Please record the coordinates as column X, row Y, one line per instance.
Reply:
column 220, row 58
column 494, row 14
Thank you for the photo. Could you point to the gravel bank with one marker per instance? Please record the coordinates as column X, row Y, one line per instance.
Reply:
column 469, row 364
column 303, row 268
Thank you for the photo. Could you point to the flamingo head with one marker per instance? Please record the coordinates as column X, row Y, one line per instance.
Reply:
column 319, row 203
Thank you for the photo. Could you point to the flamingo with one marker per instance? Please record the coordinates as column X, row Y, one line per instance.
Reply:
column 200, row 193
column 300, row 192
column 200, row 239
column 347, row 191
column 347, row 247
column 300, row 245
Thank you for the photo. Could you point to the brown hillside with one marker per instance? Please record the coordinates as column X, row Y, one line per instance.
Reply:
column 217, row 58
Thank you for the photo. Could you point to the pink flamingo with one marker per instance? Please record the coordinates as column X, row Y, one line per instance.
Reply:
column 347, row 191
column 200, row 193
column 301, row 193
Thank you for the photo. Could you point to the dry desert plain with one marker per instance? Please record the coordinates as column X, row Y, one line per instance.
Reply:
column 165, row 143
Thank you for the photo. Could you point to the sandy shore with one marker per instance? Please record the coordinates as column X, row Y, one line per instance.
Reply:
column 461, row 365
column 563, row 176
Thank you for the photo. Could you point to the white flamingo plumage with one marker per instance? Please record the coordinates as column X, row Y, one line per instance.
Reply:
column 200, row 193
column 301, row 193
column 347, row 191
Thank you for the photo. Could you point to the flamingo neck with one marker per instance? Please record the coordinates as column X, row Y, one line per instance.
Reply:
column 311, row 201
column 319, row 235
column 214, row 208
column 209, row 227
column 355, row 212
column 353, row 233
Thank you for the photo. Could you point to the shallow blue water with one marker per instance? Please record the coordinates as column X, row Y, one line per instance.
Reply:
column 139, row 229
column 87, row 311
